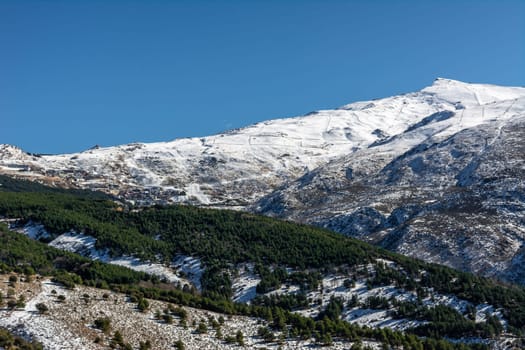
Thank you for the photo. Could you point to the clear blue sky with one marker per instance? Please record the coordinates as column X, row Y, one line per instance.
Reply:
column 78, row 73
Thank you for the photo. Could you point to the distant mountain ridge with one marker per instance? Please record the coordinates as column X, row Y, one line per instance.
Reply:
column 437, row 174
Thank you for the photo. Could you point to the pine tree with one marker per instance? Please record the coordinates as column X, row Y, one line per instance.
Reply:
column 179, row 345
column 239, row 337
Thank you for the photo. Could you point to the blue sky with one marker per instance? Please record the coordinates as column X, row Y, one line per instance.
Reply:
column 78, row 73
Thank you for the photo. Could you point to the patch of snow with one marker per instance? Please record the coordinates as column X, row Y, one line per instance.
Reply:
column 194, row 191
column 77, row 243
column 154, row 269
column 244, row 284
column 33, row 230
column 191, row 267
column 85, row 245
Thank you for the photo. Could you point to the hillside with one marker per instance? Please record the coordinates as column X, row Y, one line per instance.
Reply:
column 454, row 198
column 304, row 282
column 72, row 316
column 435, row 174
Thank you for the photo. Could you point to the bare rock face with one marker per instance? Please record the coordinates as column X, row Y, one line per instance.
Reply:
column 457, row 200
column 436, row 174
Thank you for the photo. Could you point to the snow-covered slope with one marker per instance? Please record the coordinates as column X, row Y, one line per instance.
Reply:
column 239, row 166
column 449, row 189
column 437, row 173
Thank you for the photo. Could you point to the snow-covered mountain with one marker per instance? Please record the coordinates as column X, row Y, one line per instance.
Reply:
column 437, row 174
column 449, row 189
column 240, row 166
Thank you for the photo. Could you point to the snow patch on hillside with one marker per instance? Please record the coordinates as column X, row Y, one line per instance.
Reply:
column 34, row 231
column 183, row 270
column 190, row 267
column 244, row 284
column 78, row 243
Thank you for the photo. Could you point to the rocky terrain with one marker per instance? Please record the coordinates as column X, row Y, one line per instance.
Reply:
column 69, row 321
column 456, row 197
column 436, row 174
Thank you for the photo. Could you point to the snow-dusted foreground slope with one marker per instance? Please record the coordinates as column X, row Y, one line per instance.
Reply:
column 437, row 174
column 69, row 319
column 69, row 322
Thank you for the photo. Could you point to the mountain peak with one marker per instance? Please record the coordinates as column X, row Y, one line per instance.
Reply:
column 442, row 81
column 472, row 93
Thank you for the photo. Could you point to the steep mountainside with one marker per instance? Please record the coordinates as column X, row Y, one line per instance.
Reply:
column 289, row 285
column 456, row 196
column 436, row 174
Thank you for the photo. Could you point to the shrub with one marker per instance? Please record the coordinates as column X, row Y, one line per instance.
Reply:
column 142, row 305
column 202, row 328
column 230, row 339
column 179, row 345
column 104, row 324
column 145, row 345
column 117, row 339
column 168, row 319
column 42, row 308
column 21, row 302
column 239, row 337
